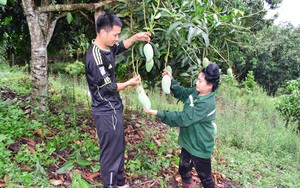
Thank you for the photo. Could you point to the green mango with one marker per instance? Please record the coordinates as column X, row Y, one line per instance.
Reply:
column 166, row 84
column 149, row 65
column 3, row 2
column 148, row 51
column 169, row 69
column 229, row 72
column 143, row 98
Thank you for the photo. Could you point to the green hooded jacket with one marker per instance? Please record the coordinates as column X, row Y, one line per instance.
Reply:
column 195, row 121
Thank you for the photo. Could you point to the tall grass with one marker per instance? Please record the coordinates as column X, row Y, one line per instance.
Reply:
column 16, row 79
column 258, row 148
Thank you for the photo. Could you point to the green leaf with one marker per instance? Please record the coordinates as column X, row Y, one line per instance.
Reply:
column 82, row 162
column 184, row 74
column 193, row 32
column 69, row 18
column 126, row 33
column 140, row 48
column 205, row 37
column 123, row 13
column 78, row 182
column 40, row 169
column 68, row 166
column 2, row 137
column 155, row 50
column 174, row 25
column 191, row 68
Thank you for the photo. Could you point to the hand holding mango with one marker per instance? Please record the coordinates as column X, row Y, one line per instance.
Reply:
column 166, row 72
column 150, row 111
column 143, row 36
column 166, row 81
column 134, row 80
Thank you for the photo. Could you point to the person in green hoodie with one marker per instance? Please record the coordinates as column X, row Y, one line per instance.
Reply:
column 196, row 122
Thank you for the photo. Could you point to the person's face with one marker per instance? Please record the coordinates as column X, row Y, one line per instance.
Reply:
column 112, row 36
column 202, row 85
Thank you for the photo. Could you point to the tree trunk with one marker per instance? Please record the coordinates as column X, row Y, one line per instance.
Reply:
column 39, row 76
column 38, row 28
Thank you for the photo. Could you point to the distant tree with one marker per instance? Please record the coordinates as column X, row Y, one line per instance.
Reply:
column 272, row 54
column 14, row 33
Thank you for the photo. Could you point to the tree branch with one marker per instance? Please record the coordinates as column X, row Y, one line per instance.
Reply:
column 84, row 15
column 73, row 7
column 52, row 25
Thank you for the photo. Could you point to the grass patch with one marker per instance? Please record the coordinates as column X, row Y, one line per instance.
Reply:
column 253, row 148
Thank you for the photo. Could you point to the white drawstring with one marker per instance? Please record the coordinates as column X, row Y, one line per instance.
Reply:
column 114, row 121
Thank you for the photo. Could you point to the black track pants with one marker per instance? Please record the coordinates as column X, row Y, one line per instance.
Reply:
column 110, row 130
column 202, row 166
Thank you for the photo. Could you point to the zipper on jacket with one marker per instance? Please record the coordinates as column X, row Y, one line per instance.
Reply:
column 106, row 100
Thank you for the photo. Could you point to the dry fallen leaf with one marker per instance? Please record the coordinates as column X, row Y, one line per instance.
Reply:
column 29, row 141
column 93, row 176
column 56, row 182
column 40, row 132
column 6, row 178
column 31, row 149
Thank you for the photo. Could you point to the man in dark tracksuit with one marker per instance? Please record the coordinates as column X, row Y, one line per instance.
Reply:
column 107, row 107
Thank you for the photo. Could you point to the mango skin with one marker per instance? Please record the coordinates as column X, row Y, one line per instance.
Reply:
column 143, row 98
column 169, row 69
column 229, row 72
column 148, row 51
column 149, row 65
column 166, row 84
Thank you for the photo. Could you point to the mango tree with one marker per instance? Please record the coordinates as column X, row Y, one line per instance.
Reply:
column 185, row 32
column 42, row 18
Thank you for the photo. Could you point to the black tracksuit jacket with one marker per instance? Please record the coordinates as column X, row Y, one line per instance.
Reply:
column 101, row 79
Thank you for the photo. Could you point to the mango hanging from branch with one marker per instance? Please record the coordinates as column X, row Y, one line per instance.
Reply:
column 3, row 2
column 229, row 72
column 169, row 69
column 148, row 51
column 143, row 98
column 166, row 84
column 149, row 65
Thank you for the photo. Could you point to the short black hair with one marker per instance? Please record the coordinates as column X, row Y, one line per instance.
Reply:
column 212, row 75
column 106, row 21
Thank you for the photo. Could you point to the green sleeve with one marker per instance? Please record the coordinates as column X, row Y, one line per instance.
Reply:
column 187, row 117
column 180, row 92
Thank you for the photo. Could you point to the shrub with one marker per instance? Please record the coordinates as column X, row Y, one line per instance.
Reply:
column 288, row 104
